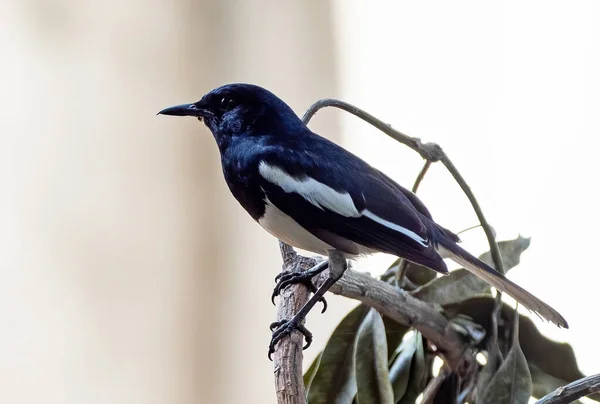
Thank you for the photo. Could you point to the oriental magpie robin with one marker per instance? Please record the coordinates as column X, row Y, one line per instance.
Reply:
column 315, row 195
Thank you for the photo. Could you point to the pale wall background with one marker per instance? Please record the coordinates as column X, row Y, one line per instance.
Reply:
column 128, row 274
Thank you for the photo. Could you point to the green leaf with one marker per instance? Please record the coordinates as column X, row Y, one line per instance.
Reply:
column 512, row 381
column 394, row 332
column 418, row 274
column 547, row 371
column 334, row 380
column 311, row 371
column 371, row 362
column 479, row 308
column 561, row 365
column 510, row 250
column 415, row 275
column 452, row 288
column 400, row 369
column 461, row 284
column 419, row 373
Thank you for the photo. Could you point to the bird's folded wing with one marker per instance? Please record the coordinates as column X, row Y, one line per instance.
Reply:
column 357, row 204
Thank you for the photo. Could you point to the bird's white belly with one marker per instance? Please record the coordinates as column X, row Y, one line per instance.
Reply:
column 288, row 230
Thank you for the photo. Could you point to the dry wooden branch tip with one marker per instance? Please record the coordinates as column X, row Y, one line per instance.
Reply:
column 573, row 391
column 287, row 358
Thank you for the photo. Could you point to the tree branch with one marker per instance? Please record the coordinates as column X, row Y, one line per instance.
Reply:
column 405, row 309
column 429, row 151
column 288, row 355
column 573, row 391
column 390, row 301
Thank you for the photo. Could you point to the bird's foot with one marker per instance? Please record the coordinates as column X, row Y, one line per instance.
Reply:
column 287, row 278
column 283, row 328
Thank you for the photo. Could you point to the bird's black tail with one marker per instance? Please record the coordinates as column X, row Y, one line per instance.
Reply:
column 447, row 248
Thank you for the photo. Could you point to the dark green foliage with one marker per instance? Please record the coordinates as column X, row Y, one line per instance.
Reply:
column 401, row 365
column 419, row 372
column 373, row 359
column 511, row 382
column 371, row 362
column 334, row 378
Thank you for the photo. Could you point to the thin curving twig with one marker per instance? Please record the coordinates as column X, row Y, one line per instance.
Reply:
column 429, row 151
column 421, row 176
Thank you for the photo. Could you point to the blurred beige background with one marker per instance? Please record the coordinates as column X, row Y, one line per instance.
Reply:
column 128, row 274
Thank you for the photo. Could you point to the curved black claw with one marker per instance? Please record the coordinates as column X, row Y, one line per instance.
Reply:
column 286, row 278
column 285, row 327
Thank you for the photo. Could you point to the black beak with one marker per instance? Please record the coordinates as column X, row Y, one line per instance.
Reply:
column 186, row 110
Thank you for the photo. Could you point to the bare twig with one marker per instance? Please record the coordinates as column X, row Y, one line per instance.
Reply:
column 433, row 386
column 468, row 228
column 421, row 176
column 288, row 356
column 488, row 230
column 429, row 151
column 573, row 391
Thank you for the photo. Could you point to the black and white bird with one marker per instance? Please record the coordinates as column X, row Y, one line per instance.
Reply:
column 315, row 195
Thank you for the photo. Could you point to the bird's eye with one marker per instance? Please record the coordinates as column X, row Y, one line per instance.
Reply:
column 227, row 103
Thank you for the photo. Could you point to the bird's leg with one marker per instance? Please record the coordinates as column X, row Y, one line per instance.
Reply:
column 286, row 278
column 282, row 328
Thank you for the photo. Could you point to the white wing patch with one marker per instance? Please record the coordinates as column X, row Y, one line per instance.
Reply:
column 395, row 227
column 315, row 192
column 323, row 196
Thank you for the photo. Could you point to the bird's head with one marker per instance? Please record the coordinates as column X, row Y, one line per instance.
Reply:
column 240, row 110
